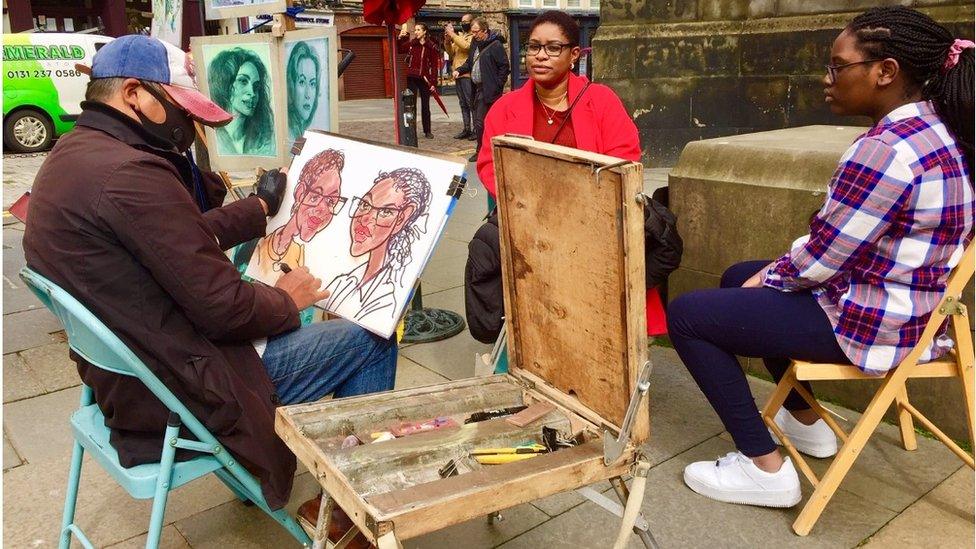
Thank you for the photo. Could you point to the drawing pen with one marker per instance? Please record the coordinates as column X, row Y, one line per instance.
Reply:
column 285, row 268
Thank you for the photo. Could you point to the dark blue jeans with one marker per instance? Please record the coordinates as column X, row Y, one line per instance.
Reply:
column 335, row 356
column 710, row 327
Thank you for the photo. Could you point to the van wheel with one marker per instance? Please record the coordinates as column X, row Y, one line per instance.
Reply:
column 27, row 131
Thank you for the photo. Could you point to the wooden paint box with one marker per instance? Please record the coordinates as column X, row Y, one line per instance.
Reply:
column 573, row 268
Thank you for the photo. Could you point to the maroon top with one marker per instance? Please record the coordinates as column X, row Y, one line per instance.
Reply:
column 543, row 130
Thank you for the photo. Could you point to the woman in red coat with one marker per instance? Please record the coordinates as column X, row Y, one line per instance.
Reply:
column 597, row 122
column 423, row 62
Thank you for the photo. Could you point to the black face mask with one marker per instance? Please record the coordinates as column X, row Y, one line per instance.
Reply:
column 177, row 130
column 466, row 27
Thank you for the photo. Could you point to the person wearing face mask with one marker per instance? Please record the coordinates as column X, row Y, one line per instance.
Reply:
column 125, row 223
column 457, row 45
column 488, row 67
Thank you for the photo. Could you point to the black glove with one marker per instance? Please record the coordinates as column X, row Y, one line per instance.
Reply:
column 271, row 189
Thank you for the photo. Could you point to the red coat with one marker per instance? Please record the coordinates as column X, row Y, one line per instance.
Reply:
column 600, row 122
column 424, row 58
column 601, row 125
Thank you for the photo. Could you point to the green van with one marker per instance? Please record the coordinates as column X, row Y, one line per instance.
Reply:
column 42, row 90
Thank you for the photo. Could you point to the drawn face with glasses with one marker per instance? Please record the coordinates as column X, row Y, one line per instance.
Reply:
column 317, row 203
column 377, row 216
column 546, row 60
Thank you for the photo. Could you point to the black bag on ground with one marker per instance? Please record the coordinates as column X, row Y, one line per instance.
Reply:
column 662, row 243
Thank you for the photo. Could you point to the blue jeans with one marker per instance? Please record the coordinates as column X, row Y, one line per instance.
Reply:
column 710, row 327
column 335, row 356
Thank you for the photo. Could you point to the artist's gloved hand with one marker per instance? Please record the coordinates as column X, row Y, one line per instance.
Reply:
column 271, row 189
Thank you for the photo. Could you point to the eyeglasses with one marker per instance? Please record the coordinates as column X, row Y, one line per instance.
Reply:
column 832, row 70
column 553, row 49
column 333, row 201
column 385, row 217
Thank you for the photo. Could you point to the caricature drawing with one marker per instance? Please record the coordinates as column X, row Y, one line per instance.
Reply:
column 386, row 222
column 317, row 201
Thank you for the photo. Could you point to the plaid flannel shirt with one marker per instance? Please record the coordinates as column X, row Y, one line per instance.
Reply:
column 898, row 212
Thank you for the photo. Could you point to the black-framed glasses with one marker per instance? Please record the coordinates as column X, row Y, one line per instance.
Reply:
column 553, row 49
column 385, row 216
column 333, row 202
column 832, row 70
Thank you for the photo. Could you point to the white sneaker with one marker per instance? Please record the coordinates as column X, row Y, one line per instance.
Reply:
column 736, row 479
column 815, row 440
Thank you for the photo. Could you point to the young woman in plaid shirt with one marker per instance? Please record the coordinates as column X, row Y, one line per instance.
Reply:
column 860, row 287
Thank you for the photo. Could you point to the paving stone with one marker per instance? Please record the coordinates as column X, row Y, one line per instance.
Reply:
column 170, row 539
column 560, row 503
column 19, row 382
column 410, row 374
column 34, row 499
column 234, row 525
column 28, row 329
column 454, row 357
column 681, row 417
column 478, row 533
column 38, row 427
column 443, row 274
column 17, row 298
column 11, row 458
column 52, row 366
column 942, row 518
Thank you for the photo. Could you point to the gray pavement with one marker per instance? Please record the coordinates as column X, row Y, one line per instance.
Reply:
column 891, row 498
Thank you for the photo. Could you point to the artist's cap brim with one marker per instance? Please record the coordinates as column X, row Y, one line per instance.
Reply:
column 202, row 109
column 84, row 69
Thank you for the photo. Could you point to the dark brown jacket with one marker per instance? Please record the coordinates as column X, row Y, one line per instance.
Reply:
column 113, row 222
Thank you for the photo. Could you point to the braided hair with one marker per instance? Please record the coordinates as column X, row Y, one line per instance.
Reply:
column 921, row 46
column 416, row 190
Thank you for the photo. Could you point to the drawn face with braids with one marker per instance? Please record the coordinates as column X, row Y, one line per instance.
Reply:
column 383, row 217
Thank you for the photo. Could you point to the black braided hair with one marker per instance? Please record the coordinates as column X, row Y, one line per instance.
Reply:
column 416, row 189
column 921, row 46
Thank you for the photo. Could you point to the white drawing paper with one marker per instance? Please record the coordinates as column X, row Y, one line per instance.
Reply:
column 364, row 219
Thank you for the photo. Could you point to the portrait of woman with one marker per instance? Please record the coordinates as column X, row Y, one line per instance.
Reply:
column 239, row 82
column 386, row 222
column 317, row 200
column 303, row 77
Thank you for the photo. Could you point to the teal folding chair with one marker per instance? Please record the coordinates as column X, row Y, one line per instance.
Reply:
column 94, row 342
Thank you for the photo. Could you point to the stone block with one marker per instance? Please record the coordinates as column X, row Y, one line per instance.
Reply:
column 687, row 56
column 725, row 190
column 805, row 7
column 759, row 9
column 685, row 280
column 759, row 102
column 613, row 56
column 665, row 10
column 786, row 53
column 662, row 146
column 725, row 10
column 661, row 103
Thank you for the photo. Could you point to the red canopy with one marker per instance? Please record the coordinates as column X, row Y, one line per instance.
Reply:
column 390, row 12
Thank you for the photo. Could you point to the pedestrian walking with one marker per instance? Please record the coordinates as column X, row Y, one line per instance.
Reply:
column 423, row 62
column 458, row 45
column 488, row 66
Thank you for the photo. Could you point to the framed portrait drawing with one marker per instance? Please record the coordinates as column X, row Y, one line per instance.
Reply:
column 167, row 21
column 364, row 218
column 223, row 9
column 310, row 60
column 242, row 74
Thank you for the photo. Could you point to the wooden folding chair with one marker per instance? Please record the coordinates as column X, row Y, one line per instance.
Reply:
column 958, row 363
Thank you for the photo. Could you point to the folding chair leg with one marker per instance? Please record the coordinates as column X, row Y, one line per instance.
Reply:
column 848, row 453
column 71, row 498
column 905, row 422
column 965, row 352
column 162, row 482
column 780, row 393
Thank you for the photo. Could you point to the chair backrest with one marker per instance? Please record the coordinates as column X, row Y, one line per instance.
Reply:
column 92, row 340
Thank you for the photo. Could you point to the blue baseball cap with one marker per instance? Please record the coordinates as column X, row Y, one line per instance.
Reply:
column 153, row 60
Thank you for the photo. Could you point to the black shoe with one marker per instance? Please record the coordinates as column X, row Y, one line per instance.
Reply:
column 472, row 137
column 473, row 158
column 466, row 133
column 428, row 135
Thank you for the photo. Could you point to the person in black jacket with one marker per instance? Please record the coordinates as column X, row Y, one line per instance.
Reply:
column 488, row 65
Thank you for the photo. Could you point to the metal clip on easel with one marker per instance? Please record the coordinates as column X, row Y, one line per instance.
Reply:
column 613, row 448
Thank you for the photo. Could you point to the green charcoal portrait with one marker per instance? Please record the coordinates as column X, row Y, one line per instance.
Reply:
column 307, row 78
column 240, row 82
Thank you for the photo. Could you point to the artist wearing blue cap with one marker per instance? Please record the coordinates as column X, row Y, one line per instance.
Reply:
column 122, row 219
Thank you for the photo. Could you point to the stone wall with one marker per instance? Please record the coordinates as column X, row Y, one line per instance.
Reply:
column 694, row 69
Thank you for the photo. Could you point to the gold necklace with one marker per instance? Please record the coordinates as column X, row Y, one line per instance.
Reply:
column 545, row 109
